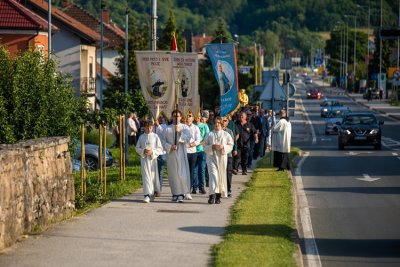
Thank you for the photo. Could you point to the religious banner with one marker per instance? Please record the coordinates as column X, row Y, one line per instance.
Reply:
column 155, row 75
column 223, row 61
column 185, row 70
column 167, row 78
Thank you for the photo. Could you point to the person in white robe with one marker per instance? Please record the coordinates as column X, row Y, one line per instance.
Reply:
column 177, row 162
column 281, row 140
column 149, row 147
column 217, row 145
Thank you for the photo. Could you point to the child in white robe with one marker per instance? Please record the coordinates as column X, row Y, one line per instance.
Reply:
column 149, row 147
column 217, row 144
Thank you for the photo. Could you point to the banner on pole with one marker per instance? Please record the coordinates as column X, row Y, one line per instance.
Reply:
column 223, row 61
column 158, row 73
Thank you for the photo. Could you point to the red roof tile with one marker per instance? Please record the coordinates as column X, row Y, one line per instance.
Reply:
column 67, row 20
column 13, row 15
column 114, row 34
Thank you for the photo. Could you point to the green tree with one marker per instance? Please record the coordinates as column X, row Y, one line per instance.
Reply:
column 138, row 40
column 374, row 63
column 39, row 101
column 167, row 33
column 221, row 34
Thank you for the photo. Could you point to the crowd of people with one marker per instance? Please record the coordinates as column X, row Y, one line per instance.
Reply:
column 205, row 150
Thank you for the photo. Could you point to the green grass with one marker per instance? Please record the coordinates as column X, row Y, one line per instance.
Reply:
column 115, row 187
column 262, row 223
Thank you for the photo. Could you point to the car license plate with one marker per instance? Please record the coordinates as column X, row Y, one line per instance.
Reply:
column 360, row 138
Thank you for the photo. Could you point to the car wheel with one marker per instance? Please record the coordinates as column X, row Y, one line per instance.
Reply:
column 340, row 146
column 378, row 146
column 91, row 163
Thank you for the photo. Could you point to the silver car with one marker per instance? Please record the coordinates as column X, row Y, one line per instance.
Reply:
column 334, row 118
column 328, row 105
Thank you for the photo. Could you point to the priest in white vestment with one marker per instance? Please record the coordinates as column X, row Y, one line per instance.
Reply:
column 149, row 147
column 281, row 139
column 217, row 145
column 177, row 162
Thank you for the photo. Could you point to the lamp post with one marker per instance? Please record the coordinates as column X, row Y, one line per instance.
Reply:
column 380, row 53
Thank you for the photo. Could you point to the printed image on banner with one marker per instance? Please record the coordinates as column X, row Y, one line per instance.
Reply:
column 155, row 75
column 223, row 60
column 185, row 70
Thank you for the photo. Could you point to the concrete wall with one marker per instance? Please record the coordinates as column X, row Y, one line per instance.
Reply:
column 36, row 186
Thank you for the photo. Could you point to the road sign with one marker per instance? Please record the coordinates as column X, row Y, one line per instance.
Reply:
column 396, row 78
column 286, row 64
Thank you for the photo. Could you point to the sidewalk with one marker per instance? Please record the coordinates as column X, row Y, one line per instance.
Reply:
column 128, row 232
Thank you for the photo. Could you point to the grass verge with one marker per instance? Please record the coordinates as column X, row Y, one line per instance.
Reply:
column 262, row 222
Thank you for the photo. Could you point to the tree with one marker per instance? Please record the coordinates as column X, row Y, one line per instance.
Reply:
column 374, row 63
column 221, row 34
column 167, row 33
column 36, row 100
column 138, row 40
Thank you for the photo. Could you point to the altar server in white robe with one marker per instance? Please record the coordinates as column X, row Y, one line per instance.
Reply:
column 177, row 162
column 217, row 145
column 149, row 147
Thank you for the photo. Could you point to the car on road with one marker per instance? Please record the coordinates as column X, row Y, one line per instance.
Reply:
column 374, row 93
column 328, row 105
column 92, row 156
column 308, row 80
column 360, row 129
column 334, row 118
column 314, row 93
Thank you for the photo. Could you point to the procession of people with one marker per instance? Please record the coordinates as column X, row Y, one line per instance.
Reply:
column 203, row 153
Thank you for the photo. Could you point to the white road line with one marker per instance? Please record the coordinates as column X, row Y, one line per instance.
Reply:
column 311, row 249
column 395, row 154
column 314, row 137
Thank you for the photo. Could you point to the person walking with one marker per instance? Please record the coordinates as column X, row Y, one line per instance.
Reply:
column 262, row 132
column 132, row 129
column 192, row 153
column 174, row 140
column 245, row 131
column 217, row 144
column 159, row 127
column 149, row 147
column 270, row 125
column 229, row 166
column 281, row 141
column 201, row 122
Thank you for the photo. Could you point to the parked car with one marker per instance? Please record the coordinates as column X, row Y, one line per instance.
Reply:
column 374, row 93
column 308, row 80
column 329, row 104
column 92, row 156
column 314, row 94
column 360, row 128
column 334, row 118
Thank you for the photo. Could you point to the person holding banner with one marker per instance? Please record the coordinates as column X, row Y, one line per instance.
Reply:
column 149, row 147
column 218, row 144
column 177, row 162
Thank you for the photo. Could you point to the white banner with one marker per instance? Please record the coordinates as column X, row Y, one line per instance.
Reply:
column 185, row 70
column 160, row 73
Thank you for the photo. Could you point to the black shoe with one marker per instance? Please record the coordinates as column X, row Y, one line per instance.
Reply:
column 218, row 199
column 229, row 194
column 211, row 199
column 244, row 172
column 194, row 192
column 202, row 191
column 207, row 184
column 234, row 171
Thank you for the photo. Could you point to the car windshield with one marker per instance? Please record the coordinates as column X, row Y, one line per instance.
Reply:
column 352, row 120
column 337, row 114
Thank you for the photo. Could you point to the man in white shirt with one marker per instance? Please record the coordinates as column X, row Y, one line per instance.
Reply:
column 132, row 129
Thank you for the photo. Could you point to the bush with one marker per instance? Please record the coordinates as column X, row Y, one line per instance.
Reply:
column 92, row 137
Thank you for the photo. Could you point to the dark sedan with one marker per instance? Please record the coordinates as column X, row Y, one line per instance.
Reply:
column 92, row 156
column 360, row 129
column 314, row 94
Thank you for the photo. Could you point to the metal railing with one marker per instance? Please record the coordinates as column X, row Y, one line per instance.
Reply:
column 88, row 85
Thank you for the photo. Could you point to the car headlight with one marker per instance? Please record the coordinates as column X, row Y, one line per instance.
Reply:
column 374, row 131
column 325, row 110
column 345, row 131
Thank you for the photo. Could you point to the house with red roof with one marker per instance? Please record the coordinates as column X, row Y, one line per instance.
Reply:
column 74, row 46
column 21, row 29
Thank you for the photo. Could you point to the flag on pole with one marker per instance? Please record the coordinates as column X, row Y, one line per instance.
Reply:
column 174, row 46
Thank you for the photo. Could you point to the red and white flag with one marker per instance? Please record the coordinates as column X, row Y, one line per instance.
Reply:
column 174, row 46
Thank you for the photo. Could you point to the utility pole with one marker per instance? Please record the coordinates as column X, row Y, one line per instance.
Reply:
column 153, row 39
column 126, row 80
column 380, row 54
column 49, row 30
column 102, row 6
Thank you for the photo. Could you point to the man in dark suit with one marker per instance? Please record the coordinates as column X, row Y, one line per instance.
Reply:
column 262, row 132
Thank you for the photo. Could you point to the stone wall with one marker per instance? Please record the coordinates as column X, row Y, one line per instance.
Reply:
column 36, row 186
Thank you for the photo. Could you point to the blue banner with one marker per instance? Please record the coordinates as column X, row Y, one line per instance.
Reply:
column 223, row 61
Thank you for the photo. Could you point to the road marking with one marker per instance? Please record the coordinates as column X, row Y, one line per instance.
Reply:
column 326, row 139
column 311, row 249
column 368, row 178
column 308, row 121
column 395, row 154
column 352, row 153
